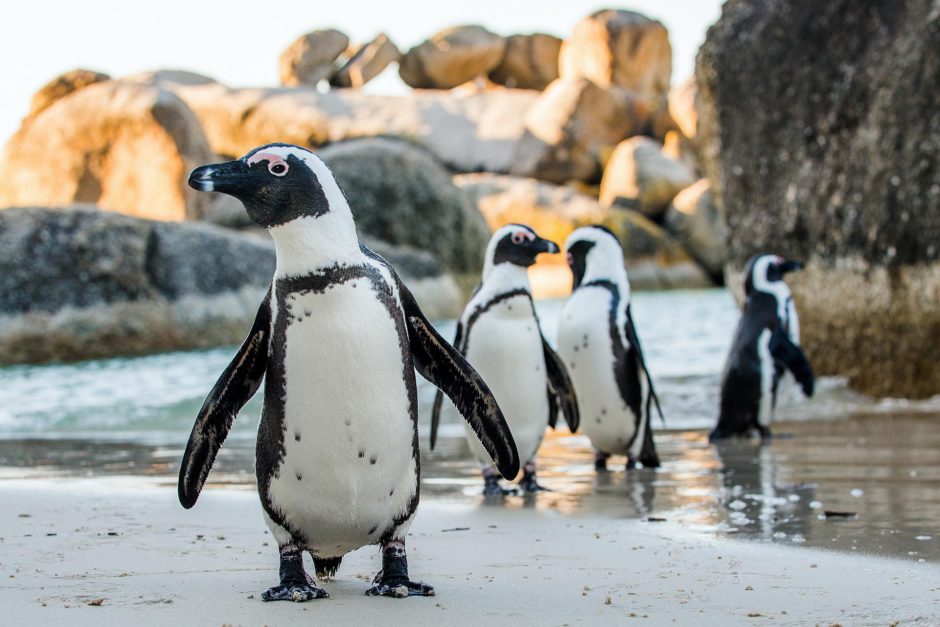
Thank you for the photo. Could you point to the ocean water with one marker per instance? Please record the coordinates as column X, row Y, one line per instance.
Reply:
column 877, row 460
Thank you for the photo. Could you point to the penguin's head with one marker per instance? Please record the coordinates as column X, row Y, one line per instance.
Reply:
column 517, row 244
column 595, row 251
column 277, row 183
column 764, row 273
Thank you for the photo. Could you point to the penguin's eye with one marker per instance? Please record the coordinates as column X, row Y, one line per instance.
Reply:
column 278, row 169
column 518, row 238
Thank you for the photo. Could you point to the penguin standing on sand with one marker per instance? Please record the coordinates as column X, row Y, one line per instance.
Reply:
column 766, row 343
column 337, row 338
column 499, row 334
column 598, row 342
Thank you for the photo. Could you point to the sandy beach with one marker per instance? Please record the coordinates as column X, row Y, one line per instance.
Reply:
column 66, row 544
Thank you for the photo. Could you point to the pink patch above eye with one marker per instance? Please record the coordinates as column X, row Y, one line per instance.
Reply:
column 271, row 158
column 520, row 236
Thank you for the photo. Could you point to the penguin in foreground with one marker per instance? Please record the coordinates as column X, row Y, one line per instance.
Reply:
column 338, row 338
column 499, row 334
column 598, row 342
column 765, row 345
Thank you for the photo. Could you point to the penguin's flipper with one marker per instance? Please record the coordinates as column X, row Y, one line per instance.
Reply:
column 444, row 366
column 784, row 350
column 560, row 390
column 634, row 339
column 439, row 396
column 237, row 384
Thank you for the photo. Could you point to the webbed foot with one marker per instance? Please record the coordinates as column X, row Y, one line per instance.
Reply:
column 529, row 485
column 392, row 580
column 491, row 487
column 297, row 592
column 600, row 462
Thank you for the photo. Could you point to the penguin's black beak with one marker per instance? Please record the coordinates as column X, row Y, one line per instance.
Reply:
column 541, row 245
column 790, row 266
column 228, row 178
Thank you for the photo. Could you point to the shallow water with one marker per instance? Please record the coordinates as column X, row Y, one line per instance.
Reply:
column 132, row 416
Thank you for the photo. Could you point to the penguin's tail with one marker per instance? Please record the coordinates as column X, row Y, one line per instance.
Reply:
column 326, row 567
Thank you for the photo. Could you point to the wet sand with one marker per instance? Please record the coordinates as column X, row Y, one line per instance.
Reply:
column 69, row 543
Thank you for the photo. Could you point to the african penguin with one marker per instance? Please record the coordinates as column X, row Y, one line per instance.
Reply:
column 499, row 334
column 338, row 338
column 766, row 343
column 598, row 342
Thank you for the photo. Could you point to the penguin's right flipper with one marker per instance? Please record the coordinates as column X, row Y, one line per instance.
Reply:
column 784, row 350
column 560, row 390
column 439, row 396
column 444, row 366
column 237, row 384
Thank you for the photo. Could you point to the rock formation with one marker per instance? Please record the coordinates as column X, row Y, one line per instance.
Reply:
column 530, row 62
column 62, row 86
column 452, row 57
column 366, row 62
column 819, row 126
column 639, row 176
column 311, row 58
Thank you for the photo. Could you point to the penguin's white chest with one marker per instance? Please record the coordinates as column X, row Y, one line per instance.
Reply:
column 348, row 468
column 505, row 346
column 585, row 346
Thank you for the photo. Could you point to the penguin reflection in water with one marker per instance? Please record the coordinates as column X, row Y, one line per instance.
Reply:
column 598, row 342
column 338, row 338
column 765, row 344
column 499, row 334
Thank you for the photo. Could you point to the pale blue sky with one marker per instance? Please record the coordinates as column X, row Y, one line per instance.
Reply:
column 238, row 42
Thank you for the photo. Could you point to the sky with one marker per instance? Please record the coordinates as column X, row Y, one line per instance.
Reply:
column 238, row 42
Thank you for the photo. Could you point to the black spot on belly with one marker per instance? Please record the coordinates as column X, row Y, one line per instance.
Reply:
column 598, row 420
column 509, row 307
column 572, row 365
column 391, row 492
column 576, row 349
column 371, row 531
column 297, row 436
column 348, row 422
column 603, row 411
column 372, row 460
column 362, row 453
column 300, row 477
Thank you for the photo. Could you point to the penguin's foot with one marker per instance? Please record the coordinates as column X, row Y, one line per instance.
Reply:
column 645, row 462
column 392, row 580
column 600, row 462
column 296, row 585
column 297, row 592
column 529, row 485
column 491, row 487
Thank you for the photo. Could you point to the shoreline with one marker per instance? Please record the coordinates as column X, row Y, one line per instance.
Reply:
column 533, row 566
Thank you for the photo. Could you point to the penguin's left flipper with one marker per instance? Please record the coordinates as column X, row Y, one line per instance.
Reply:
column 444, row 366
column 238, row 383
column 439, row 396
column 560, row 390
column 784, row 350
column 634, row 339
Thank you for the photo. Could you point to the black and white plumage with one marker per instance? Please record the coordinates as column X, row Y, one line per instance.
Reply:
column 337, row 338
column 598, row 342
column 500, row 336
column 766, row 344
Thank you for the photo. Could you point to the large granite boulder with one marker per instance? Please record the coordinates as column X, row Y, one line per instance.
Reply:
column 311, row 58
column 654, row 258
column 820, row 129
column 366, row 62
column 682, row 107
column 694, row 220
column 639, row 176
column 468, row 132
column 124, row 147
column 530, row 62
column 616, row 48
column 399, row 193
column 80, row 283
column 452, row 57
column 62, row 86
column 568, row 128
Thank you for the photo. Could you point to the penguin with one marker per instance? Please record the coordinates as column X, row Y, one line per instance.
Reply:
column 598, row 342
column 337, row 339
column 766, row 344
column 500, row 336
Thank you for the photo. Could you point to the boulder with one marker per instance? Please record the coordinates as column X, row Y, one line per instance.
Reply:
column 616, row 48
column 399, row 193
column 639, row 176
column 63, row 85
column 680, row 148
column 661, row 122
column 452, row 57
column 655, row 260
column 693, row 219
column 311, row 57
column 819, row 127
column 682, row 107
column 568, row 128
column 127, row 148
column 367, row 62
column 469, row 132
column 530, row 62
